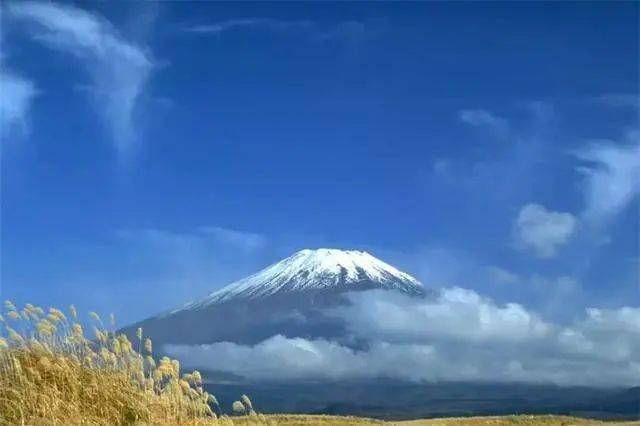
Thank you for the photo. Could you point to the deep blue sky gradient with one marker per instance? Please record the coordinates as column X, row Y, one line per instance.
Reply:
column 346, row 133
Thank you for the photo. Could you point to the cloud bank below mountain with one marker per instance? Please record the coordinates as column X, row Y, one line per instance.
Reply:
column 459, row 336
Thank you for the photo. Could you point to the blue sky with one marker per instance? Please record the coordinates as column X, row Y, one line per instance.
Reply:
column 152, row 153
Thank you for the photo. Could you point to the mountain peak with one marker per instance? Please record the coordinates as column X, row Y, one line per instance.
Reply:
column 317, row 270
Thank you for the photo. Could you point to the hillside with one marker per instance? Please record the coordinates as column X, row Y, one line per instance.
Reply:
column 289, row 297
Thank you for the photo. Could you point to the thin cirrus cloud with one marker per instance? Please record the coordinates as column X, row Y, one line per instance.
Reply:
column 351, row 31
column 502, row 276
column 181, row 265
column 18, row 93
column 16, row 99
column 486, row 119
column 459, row 336
column 202, row 243
column 622, row 100
column 119, row 68
column 611, row 172
column 542, row 230
column 515, row 161
column 245, row 241
column 259, row 23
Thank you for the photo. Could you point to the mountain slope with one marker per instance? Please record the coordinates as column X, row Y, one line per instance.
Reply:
column 314, row 270
column 289, row 297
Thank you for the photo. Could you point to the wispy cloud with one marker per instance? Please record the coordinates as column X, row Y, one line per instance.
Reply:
column 229, row 237
column 484, row 118
column 611, row 173
column 542, row 230
column 503, row 276
column 458, row 336
column 258, row 23
column 246, row 241
column 351, row 32
column 118, row 67
column 183, row 265
column 499, row 166
column 17, row 95
column 16, row 98
column 621, row 100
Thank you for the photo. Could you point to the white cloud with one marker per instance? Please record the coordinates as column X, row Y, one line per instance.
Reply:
column 195, row 249
column 282, row 358
column 458, row 336
column 542, row 230
column 352, row 32
column 456, row 315
column 606, row 334
column 247, row 241
column 263, row 23
column 619, row 100
column 484, row 118
column 502, row 276
column 17, row 94
column 611, row 176
column 183, row 265
column 119, row 68
column 231, row 237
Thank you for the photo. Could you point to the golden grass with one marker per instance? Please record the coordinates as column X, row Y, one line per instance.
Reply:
column 51, row 374
column 295, row 420
column 300, row 419
column 511, row 421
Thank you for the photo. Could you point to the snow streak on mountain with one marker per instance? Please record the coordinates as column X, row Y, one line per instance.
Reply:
column 316, row 270
column 292, row 298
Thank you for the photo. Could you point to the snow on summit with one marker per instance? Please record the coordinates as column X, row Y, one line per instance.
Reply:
column 313, row 270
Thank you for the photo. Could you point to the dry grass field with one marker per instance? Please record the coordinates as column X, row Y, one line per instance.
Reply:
column 471, row 421
column 511, row 421
column 51, row 374
column 294, row 420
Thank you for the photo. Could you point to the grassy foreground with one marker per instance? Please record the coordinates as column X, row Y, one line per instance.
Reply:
column 523, row 420
column 51, row 374
column 468, row 421
column 512, row 421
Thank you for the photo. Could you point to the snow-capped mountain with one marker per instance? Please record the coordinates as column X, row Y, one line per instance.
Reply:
column 315, row 270
column 293, row 297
